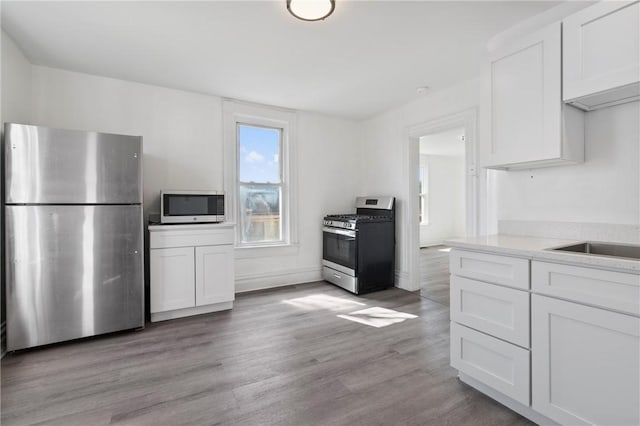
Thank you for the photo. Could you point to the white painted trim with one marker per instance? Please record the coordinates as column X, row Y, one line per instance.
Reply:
column 402, row 281
column 252, row 252
column 468, row 120
column 534, row 23
column 234, row 112
column 251, row 282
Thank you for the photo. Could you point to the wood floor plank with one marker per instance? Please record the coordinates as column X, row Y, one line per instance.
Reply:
column 288, row 356
column 434, row 273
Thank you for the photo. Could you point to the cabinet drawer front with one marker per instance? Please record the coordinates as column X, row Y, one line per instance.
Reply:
column 585, row 363
column 612, row 290
column 498, row 311
column 505, row 270
column 498, row 364
column 184, row 238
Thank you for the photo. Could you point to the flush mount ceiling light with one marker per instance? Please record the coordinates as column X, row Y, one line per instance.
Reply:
column 311, row 10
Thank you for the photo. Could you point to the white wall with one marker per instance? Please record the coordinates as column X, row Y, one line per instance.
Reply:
column 385, row 154
column 446, row 180
column 182, row 131
column 183, row 148
column 604, row 189
column 16, row 83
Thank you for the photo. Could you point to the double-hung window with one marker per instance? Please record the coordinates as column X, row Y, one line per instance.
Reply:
column 260, row 184
column 258, row 174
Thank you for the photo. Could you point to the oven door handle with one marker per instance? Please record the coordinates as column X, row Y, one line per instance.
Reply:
column 344, row 232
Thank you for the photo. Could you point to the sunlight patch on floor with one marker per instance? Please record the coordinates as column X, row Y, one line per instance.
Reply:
column 377, row 317
column 316, row 302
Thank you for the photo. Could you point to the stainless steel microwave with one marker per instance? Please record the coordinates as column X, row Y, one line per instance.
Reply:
column 191, row 206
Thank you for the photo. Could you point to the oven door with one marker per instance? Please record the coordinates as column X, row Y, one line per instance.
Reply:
column 339, row 249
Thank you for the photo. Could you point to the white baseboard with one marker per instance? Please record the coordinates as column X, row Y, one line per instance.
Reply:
column 402, row 281
column 251, row 282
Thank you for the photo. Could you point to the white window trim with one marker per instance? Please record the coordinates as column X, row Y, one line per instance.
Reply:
column 235, row 113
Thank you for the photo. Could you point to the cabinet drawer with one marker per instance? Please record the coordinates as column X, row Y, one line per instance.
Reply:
column 612, row 290
column 340, row 279
column 505, row 270
column 499, row 311
column 500, row 365
column 185, row 238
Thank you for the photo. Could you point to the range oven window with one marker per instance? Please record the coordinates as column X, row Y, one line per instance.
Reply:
column 340, row 248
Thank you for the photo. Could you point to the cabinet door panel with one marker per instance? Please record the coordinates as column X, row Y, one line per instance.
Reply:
column 214, row 275
column 498, row 364
column 525, row 95
column 585, row 363
column 498, row 311
column 601, row 49
column 172, row 279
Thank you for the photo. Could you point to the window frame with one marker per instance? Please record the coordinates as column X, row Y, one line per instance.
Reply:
column 236, row 114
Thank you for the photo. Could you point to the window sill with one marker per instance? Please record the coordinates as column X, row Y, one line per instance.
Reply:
column 248, row 252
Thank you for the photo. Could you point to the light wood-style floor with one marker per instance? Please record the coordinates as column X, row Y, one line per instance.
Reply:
column 434, row 273
column 283, row 356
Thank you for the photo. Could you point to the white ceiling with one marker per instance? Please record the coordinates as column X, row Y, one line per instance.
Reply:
column 368, row 57
column 448, row 143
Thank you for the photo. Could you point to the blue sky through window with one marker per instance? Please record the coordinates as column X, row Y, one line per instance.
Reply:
column 259, row 149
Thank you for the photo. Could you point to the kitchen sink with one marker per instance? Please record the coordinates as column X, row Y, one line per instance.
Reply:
column 625, row 251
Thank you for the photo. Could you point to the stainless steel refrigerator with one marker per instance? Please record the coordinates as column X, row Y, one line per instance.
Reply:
column 73, row 234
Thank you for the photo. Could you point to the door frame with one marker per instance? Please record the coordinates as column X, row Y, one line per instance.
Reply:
column 467, row 119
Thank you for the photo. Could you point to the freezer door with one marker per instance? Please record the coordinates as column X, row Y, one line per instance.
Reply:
column 72, row 271
column 55, row 166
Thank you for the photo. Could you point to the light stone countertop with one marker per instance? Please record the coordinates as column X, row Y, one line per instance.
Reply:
column 535, row 249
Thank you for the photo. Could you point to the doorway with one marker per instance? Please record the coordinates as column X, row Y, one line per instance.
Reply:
column 441, row 176
column 441, row 213
column 444, row 204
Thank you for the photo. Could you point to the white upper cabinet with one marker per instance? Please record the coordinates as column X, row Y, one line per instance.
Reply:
column 530, row 126
column 601, row 55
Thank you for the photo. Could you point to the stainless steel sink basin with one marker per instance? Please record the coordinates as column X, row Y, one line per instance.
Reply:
column 625, row 251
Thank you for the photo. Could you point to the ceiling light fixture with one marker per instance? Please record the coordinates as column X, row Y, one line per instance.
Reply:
column 311, row 10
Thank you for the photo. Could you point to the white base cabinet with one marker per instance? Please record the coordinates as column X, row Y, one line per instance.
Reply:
column 191, row 269
column 557, row 343
column 585, row 363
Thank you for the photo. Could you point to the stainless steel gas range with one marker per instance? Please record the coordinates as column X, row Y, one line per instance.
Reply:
column 358, row 250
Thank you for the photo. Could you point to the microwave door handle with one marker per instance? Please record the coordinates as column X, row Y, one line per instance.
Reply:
column 344, row 232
